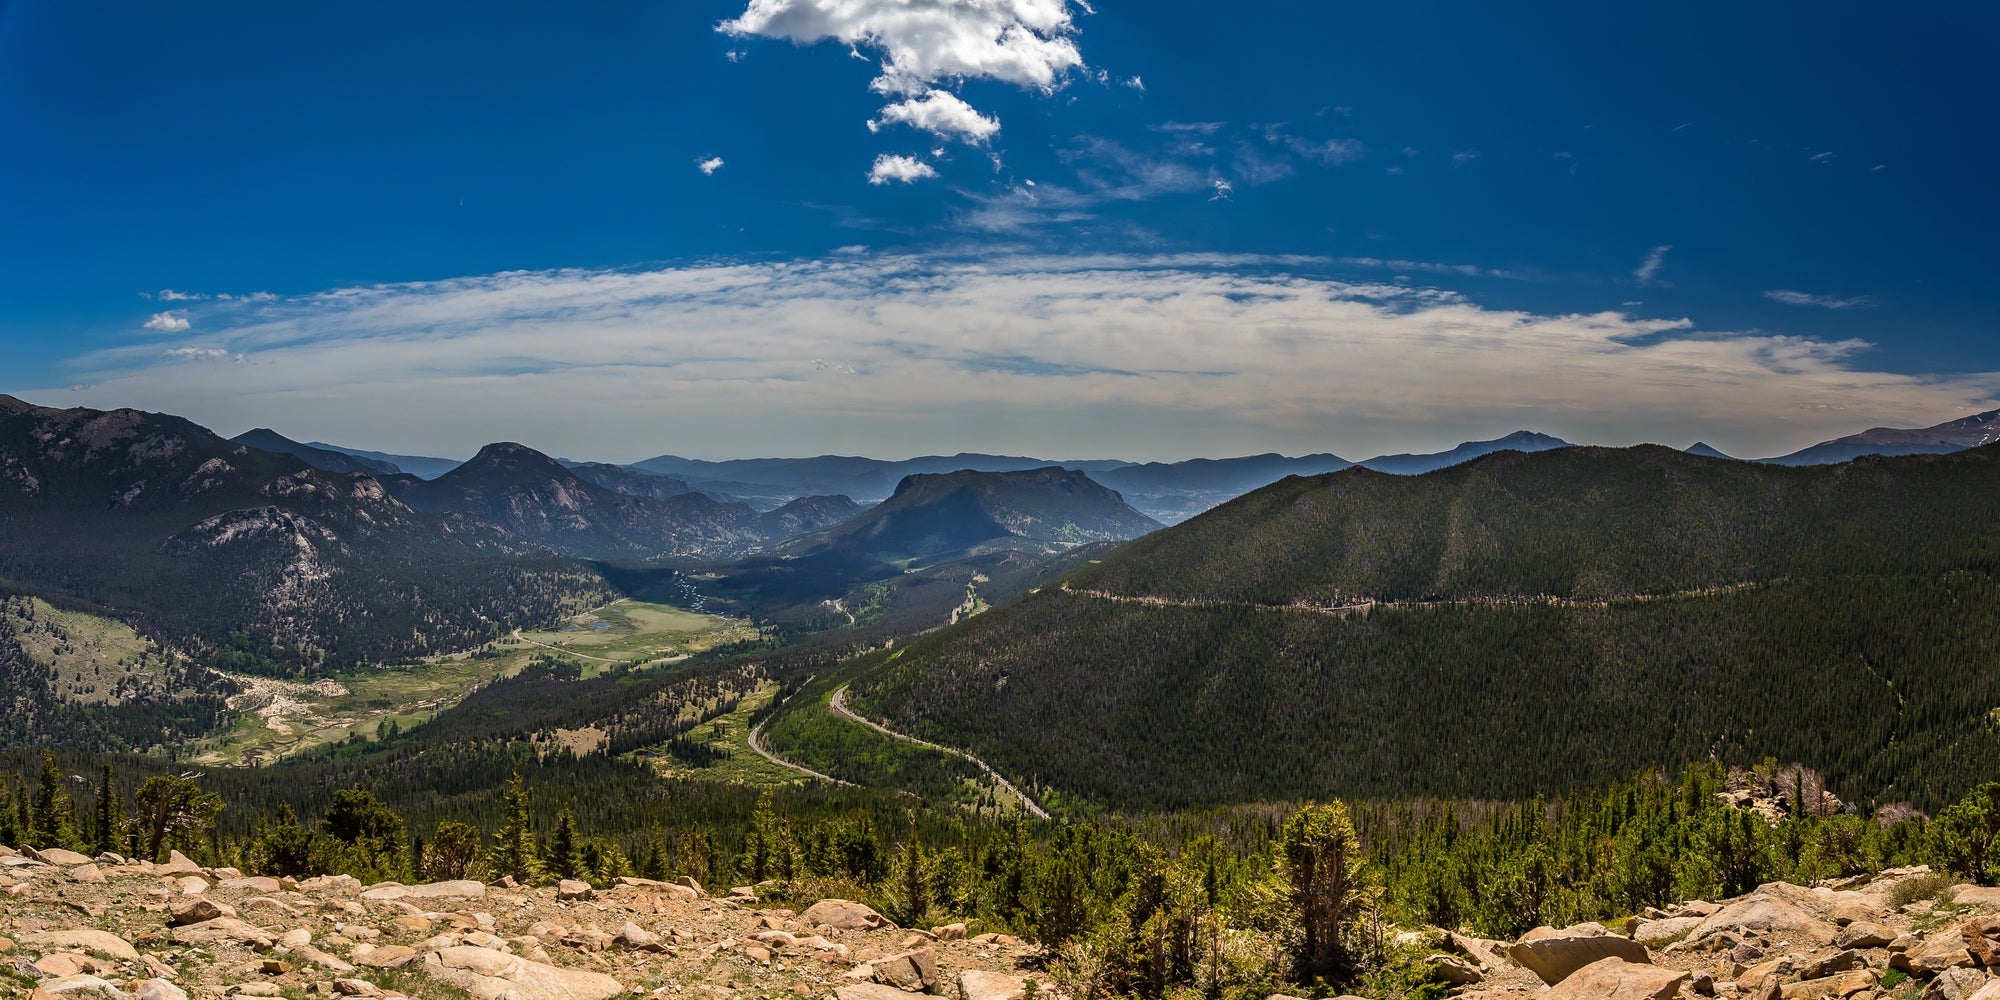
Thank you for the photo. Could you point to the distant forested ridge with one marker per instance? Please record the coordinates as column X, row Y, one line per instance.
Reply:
column 1515, row 625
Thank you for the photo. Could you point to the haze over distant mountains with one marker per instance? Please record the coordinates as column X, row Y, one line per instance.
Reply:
column 1168, row 492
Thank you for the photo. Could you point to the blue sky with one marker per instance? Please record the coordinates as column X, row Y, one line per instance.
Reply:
column 1150, row 230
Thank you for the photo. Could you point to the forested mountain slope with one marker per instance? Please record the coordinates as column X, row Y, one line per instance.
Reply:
column 1517, row 625
column 256, row 557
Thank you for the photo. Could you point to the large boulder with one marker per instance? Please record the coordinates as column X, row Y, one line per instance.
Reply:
column 80, row 987
column 1834, row 987
column 1554, row 954
column 842, row 914
column 99, row 942
column 1936, row 953
column 58, row 856
column 1865, row 934
column 1765, row 914
column 1617, row 979
column 912, row 971
column 1955, row 984
column 493, row 975
column 573, row 889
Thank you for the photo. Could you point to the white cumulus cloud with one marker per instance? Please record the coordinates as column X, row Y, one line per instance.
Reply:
column 942, row 114
column 920, row 44
column 907, row 169
column 171, row 321
column 708, row 165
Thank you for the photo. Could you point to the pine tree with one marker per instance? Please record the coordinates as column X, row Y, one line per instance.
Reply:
column 757, row 844
column 110, row 815
column 10, row 829
column 1321, row 862
column 55, row 812
column 563, row 856
column 653, row 863
column 513, row 853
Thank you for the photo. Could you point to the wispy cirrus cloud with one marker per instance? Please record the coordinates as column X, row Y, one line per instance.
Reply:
column 1648, row 271
column 1796, row 298
column 1156, row 356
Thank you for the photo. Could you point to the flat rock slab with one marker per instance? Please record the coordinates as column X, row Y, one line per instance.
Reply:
column 1617, row 979
column 842, row 914
column 459, row 889
column 1765, row 914
column 1555, row 954
column 492, row 975
column 869, row 991
column 101, row 942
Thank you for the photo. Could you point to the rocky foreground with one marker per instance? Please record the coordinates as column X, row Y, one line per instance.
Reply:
column 109, row 929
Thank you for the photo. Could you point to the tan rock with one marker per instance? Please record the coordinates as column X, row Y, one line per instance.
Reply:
column 913, row 971
column 1937, row 953
column 758, row 953
column 191, row 885
column 61, row 858
column 1990, row 991
column 1982, row 939
column 308, row 953
column 1554, row 954
column 159, row 989
column 195, row 910
column 409, row 924
column 1985, row 897
column 1616, row 979
column 638, row 938
column 1831, row 963
column 492, row 975
column 87, row 874
column 297, row 937
column 356, row 988
column 1865, row 934
column 1664, row 930
column 60, row 964
column 256, row 883
column 1845, row 984
column 978, row 984
column 223, row 929
column 869, row 991
column 949, row 932
column 79, row 986
column 1454, row 971
column 83, row 939
column 177, row 863
column 572, row 889
column 1955, row 984
column 1764, row 913
column 388, row 956
column 842, row 914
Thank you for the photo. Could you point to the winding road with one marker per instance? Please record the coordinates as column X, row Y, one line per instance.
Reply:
column 839, row 707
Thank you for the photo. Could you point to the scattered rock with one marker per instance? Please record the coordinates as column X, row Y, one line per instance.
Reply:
column 1982, row 939
column 869, row 991
column 1555, row 954
column 159, row 989
column 223, row 929
column 388, row 956
column 949, row 932
column 1955, row 984
column 1667, row 929
column 59, row 857
column 87, row 874
column 570, row 889
column 79, row 986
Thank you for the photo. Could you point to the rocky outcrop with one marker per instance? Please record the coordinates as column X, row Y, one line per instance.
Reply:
column 1554, row 954
column 842, row 915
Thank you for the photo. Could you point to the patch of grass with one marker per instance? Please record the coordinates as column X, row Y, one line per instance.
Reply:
column 1932, row 886
column 729, row 735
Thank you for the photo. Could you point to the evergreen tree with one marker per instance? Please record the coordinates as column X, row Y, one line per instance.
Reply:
column 563, row 855
column 453, row 852
column 55, row 812
column 1322, row 864
column 757, row 843
column 10, row 828
column 513, row 853
column 170, row 807
column 653, row 862
column 110, row 815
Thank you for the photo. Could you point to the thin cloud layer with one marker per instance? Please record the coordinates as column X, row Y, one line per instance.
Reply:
column 1139, row 357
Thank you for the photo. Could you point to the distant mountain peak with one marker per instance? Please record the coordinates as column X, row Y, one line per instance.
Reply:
column 1954, row 435
column 1706, row 450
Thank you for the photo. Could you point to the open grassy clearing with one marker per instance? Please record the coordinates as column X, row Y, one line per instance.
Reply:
column 92, row 656
column 729, row 735
column 279, row 718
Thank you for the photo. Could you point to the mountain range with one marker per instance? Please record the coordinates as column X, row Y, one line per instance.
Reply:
column 1955, row 435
